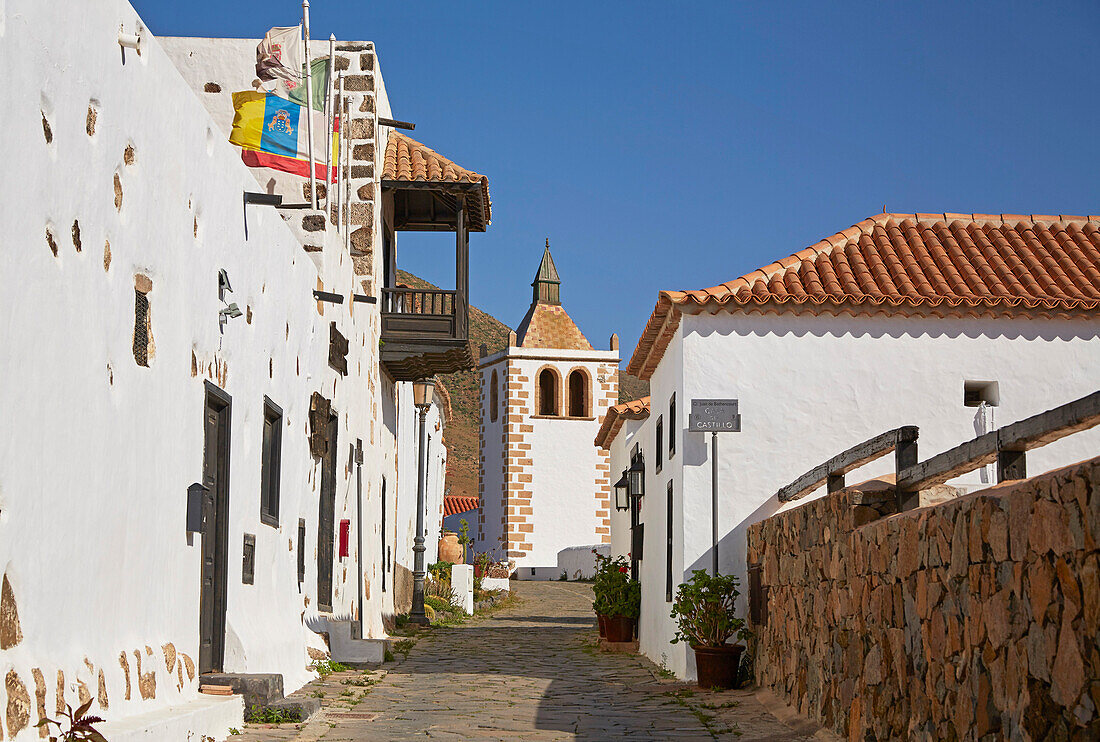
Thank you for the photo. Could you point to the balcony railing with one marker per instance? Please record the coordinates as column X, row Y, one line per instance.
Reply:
column 435, row 302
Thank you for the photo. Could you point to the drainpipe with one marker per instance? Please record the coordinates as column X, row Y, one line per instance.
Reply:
column 359, row 522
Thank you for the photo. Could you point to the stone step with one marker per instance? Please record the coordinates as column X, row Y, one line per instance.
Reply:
column 205, row 716
column 257, row 689
column 345, row 646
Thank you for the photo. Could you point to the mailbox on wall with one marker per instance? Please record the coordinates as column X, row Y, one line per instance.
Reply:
column 195, row 495
column 345, row 537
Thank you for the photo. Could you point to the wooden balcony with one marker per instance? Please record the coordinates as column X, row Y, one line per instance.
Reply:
column 424, row 333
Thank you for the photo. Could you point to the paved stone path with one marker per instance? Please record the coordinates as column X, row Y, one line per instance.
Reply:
column 529, row 672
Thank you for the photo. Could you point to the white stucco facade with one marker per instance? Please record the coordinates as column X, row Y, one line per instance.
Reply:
column 128, row 185
column 811, row 386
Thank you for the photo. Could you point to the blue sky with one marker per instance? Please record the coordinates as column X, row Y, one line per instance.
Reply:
column 680, row 145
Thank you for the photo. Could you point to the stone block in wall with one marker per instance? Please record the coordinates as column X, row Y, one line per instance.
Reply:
column 366, row 62
column 362, row 213
column 359, row 83
column 362, row 239
column 362, row 128
column 342, row 63
column 313, row 222
column 362, row 152
column 362, row 171
column 367, row 106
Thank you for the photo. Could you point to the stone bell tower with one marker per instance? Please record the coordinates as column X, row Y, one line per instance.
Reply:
column 544, row 487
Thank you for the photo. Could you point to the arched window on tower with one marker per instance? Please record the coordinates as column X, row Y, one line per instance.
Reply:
column 578, row 394
column 548, row 393
column 494, row 398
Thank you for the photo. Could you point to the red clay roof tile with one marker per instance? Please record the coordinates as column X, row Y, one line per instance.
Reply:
column 944, row 263
column 637, row 409
column 409, row 161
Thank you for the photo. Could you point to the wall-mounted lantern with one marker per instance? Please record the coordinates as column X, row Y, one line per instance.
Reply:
column 622, row 498
column 223, row 284
column 636, row 476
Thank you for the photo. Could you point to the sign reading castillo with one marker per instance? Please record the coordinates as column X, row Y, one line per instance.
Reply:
column 714, row 416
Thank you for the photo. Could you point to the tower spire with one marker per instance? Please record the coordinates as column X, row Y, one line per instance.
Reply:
column 547, row 284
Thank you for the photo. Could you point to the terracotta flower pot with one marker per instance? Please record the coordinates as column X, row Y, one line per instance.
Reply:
column 619, row 629
column 449, row 548
column 717, row 666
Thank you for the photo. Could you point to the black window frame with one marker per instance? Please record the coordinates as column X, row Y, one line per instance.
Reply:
column 659, row 435
column 271, row 454
column 669, row 507
column 672, row 426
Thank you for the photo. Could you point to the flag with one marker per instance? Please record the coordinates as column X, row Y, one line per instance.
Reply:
column 319, row 73
column 279, row 56
column 271, row 132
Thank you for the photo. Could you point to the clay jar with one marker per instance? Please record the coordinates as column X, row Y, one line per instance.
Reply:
column 449, row 548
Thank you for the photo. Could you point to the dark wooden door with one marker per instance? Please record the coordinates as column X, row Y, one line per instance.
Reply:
column 215, row 536
column 326, row 526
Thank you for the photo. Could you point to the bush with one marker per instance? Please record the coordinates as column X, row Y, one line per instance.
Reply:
column 704, row 610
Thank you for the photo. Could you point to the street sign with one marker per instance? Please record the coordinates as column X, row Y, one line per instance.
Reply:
column 714, row 416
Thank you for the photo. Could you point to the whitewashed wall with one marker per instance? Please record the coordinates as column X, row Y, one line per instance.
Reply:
column 809, row 387
column 93, row 476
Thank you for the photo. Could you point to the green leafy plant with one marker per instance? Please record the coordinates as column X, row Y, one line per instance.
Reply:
column 441, row 570
column 704, row 610
column 563, row 577
column 464, row 536
column 79, row 722
column 259, row 715
column 614, row 593
column 324, row 668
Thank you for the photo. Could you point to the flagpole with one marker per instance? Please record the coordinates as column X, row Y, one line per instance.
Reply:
column 309, row 106
column 341, row 145
column 329, row 114
column 347, row 181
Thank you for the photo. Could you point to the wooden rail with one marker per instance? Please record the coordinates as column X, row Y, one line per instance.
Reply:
column 434, row 302
column 903, row 441
column 1007, row 446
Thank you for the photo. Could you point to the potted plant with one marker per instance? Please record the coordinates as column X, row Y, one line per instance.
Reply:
column 599, row 591
column 619, row 598
column 705, row 619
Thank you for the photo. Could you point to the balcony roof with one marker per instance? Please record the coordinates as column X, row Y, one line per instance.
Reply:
column 411, row 166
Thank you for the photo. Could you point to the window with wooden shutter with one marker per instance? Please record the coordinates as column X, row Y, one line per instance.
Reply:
column 271, row 463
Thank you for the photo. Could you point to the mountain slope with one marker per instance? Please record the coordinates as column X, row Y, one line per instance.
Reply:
column 462, row 430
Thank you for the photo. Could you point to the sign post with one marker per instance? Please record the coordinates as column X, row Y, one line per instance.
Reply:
column 714, row 416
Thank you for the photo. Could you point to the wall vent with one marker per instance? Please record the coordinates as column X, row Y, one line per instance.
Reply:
column 141, row 327
column 977, row 392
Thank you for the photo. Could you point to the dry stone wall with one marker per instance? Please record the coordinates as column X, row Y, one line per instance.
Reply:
column 974, row 619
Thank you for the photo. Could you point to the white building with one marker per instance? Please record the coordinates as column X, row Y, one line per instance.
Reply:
column 903, row 319
column 543, row 487
column 160, row 332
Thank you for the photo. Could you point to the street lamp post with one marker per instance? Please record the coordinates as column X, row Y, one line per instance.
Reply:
column 422, row 398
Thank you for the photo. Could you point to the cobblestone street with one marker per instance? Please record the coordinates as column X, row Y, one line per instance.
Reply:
column 533, row 672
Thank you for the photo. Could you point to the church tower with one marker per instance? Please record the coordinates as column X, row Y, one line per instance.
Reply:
column 544, row 487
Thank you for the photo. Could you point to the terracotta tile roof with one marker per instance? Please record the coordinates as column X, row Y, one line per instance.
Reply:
column 637, row 409
column 409, row 161
column 550, row 326
column 455, row 504
column 938, row 264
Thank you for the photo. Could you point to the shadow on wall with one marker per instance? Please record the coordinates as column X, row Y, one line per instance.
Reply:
column 402, row 589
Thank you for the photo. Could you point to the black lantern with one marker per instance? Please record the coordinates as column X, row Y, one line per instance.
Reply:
column 622, row 499
column 636, row 476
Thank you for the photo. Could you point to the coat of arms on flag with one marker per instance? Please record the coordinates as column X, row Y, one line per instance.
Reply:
column 270, row 132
